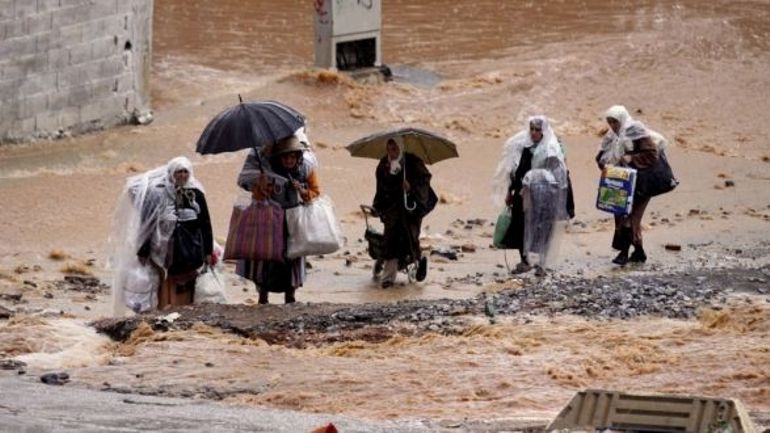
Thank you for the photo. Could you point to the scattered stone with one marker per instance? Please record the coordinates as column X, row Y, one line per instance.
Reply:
column 55, row 378
column 468, row 248
column 729, row 183
column 446, row 253
column 673, row 247
column 624, row 296
column 5, row 313
column 82, row 283
column 11, row 364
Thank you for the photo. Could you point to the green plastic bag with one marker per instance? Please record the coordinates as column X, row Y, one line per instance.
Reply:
column 501, row 227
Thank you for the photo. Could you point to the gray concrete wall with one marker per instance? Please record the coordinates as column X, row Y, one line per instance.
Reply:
column 72, row 66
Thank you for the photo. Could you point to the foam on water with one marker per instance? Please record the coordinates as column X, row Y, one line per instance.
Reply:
column 46, row 343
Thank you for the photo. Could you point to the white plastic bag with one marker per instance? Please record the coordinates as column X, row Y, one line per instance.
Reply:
column 209, row 287
column 313, row 229
column 142, row 284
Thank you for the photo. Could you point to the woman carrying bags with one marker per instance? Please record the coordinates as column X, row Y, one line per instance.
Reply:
column 283, row 175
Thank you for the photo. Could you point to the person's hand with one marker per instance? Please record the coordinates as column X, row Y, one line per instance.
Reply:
column 406, row 186
column 262, row 183
column 626, row 159
column 298, row 187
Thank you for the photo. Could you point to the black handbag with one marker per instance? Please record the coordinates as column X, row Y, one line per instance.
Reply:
column 186, row 249
column 655, row 180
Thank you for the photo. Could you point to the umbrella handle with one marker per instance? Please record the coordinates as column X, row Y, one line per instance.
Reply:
column 406, row 204
column 406, row 200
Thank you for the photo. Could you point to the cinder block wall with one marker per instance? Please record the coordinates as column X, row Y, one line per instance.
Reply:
column 72, row 66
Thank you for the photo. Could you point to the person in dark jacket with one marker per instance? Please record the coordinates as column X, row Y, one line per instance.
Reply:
column 402, row 198
column 286, row 175
column 641, row 153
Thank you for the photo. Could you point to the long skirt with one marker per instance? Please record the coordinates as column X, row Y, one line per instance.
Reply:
column 272, row 275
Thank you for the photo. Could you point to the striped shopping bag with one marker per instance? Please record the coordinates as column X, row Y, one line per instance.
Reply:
column 256, row 232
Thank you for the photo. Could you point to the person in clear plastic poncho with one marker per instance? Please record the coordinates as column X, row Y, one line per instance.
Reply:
column 628, row 142
column 533, row 181
column 161, row 236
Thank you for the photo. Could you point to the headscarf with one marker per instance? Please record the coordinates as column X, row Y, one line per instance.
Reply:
column 308, row 156
column 548, row 147
column 394, row 165
column 615, row 145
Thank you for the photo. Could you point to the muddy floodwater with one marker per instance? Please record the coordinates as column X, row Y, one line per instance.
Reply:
column 472, row 342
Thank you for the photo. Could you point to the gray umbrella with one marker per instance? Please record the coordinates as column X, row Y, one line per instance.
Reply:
column 249, row 125
column 426, row 145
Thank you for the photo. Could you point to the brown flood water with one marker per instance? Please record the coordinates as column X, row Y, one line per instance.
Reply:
column 696, row 70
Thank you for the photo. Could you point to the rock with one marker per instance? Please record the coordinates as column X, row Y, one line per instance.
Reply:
column 446, row 253
column 55, row 378
column 11, row 364
column 5, row 313
column 673, row 247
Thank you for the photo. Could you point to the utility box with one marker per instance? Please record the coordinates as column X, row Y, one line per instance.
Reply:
column 347, row 34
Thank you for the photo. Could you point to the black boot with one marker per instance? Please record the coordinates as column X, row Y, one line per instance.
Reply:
column 622, row 243
column 262, row 295
column 622, row 257
column 638, row 256
column 288, row 296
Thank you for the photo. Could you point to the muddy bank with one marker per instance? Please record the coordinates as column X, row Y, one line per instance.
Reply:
column 674, row 295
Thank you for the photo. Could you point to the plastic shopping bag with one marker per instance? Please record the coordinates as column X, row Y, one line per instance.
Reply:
column 209, row 287
column 141, row 290
column 501, row 227
column 313, row 229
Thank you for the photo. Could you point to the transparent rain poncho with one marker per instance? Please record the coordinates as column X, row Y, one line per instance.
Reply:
column 545, row 198
column 145, row 211
column 614, row 146
column 548, row 147
column 544, row 187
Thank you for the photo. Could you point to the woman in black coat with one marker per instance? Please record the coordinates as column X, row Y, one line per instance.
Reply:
column 399, row 173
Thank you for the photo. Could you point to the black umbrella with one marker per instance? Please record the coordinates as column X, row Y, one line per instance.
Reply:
column 249, row 125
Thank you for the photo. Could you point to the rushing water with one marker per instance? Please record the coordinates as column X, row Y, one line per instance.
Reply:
column 695, row 69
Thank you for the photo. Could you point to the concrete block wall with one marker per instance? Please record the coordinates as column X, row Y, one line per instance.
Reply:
column 72, row 66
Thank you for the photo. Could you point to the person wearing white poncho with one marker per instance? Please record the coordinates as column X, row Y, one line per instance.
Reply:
column 161, row 236
column 533, row 181
column 628, row 142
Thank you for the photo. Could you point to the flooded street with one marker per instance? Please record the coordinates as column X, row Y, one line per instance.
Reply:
column 473, row 71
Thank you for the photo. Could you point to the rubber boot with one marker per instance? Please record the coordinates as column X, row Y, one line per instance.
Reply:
column 638, row 256
column 623, row 244
column 288, row 296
